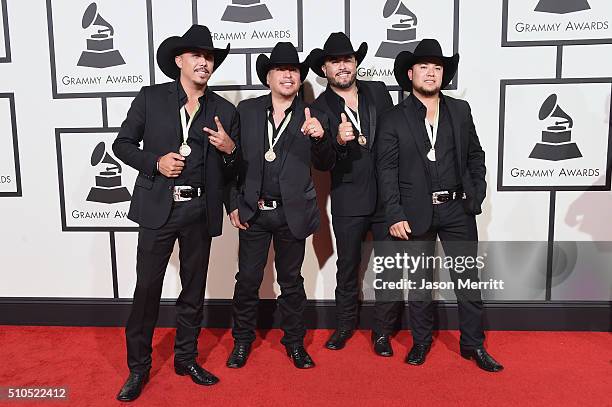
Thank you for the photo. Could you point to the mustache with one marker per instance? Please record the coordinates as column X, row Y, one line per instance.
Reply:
column 343, row 72
column 201, row 68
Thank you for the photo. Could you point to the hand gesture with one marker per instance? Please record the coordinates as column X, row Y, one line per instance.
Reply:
column 345, row 131
column 219, row 138
column 311, row 126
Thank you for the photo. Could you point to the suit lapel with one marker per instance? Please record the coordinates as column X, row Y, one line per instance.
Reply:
column 456, row 129
column 173, row 107
column 371, row 113
column 293, row 129
column 414, row 129
column 207, row 119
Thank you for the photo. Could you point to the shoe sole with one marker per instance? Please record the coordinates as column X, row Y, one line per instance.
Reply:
column 196, row 381
column 470, row 357
column 233, row 366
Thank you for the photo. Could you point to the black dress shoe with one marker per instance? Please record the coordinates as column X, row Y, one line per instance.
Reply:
column 198, row 374
column 239, row 355
column 417, row 354
column 338, row 339
column 382, row 346
column 301, row 358
column 133, row 386
column 482, row 358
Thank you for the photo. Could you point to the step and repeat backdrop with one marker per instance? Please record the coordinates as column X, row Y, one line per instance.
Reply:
column 536, row 73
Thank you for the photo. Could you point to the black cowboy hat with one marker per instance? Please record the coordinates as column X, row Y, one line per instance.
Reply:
column 338, row 44
column 283, row 53
column 196, row 38
column 427, row 48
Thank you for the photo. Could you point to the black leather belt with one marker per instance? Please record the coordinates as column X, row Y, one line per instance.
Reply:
column 440, row 197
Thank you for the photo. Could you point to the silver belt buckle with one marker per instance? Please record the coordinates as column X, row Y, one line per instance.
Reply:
column 262, row 206
column 176, row 193
column 435, row 195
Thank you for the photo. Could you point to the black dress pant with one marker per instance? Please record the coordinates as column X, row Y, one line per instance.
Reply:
column 254, row 244
column 187, row 224
column 459, row 236
column 350, row 232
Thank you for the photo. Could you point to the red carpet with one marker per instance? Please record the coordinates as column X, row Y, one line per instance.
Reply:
column 542, row 368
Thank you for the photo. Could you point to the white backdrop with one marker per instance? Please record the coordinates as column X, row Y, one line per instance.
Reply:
column 56, row 107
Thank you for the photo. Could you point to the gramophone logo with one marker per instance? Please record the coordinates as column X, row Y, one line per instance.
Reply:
column 556, row 144
column 402, row 34
column 246, row 11
column 108, row 188
column 562, row 6
column 100, row 52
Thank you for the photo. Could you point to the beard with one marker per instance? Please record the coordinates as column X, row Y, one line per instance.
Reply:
column 426, row 92
column 343, row 85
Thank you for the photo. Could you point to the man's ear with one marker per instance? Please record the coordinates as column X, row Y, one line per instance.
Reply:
column 178, row 60
column 410, row 73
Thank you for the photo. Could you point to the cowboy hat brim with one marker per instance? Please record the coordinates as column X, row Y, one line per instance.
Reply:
column 406, row 60
column 263, row 65
column 173, row 46
column 317, row 57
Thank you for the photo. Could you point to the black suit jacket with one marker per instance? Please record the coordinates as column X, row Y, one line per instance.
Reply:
column 297, row 188
column 404, row 181
column 153, row 119
column 353, row 177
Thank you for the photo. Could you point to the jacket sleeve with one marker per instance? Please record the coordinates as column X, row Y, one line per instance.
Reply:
column 127, row 144
column 232, row 164
column 387, row 156
column 476, row 163
column 323, row 155
column 231, row 161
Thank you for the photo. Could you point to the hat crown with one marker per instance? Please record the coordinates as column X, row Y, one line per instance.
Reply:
column 338, row 42
column 284, row 53
column 198, row 34
column 428, row 48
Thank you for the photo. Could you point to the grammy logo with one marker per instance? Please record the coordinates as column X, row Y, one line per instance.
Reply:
column 402, row 35
column 100, row 51
column 108, row 188
column 562, row 6
column 246, row 11
column 556, row 142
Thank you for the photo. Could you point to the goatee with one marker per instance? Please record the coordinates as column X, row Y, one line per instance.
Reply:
column 343, row 85
column 427, row 92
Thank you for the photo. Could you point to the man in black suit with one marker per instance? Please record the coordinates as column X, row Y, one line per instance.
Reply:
column 432, row 180
column 275, row 200
column 352, row 107
column 186, row 160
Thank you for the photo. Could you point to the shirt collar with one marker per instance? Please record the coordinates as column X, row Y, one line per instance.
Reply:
column 268, row 103
column 419, row 105
column 339, row 98
column 183, row 96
